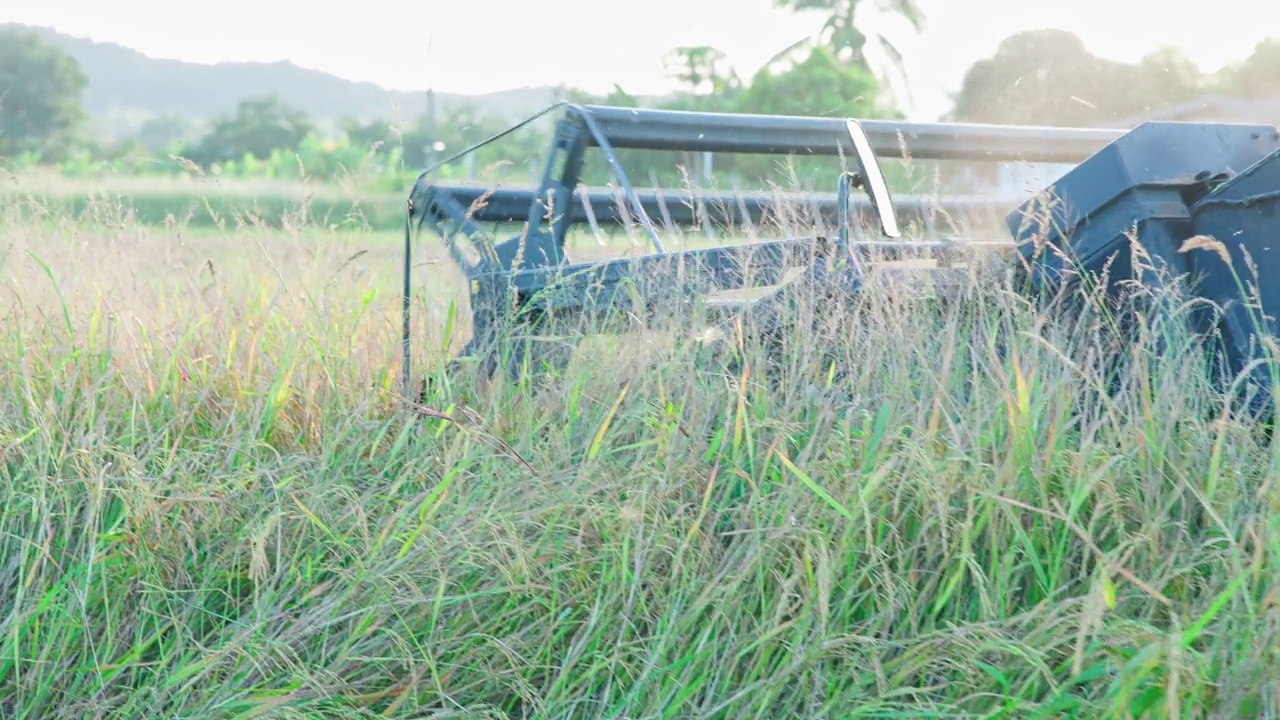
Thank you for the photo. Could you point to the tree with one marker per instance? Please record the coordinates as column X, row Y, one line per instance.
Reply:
column 258, row 127
column 1162, row 78
column 699, row 68
column 1048, row 77
column 1258, row 76
column 842, row 32
column 819, row 86
column 1035, row 77
column 40, row 95
column 160, row 133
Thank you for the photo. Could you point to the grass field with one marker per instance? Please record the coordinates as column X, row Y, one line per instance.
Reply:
column 214, row 506
column 200, row 202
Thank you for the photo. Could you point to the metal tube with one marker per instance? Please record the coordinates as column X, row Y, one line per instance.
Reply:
column 506, row 205
column 646, row 129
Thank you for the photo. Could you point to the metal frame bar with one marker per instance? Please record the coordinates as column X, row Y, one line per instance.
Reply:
column 682, row 208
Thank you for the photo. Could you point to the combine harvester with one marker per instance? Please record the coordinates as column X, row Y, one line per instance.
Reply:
column 1161, row 183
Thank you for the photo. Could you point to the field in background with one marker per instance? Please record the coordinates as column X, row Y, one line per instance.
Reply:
column 203, row 202
column 215, row 506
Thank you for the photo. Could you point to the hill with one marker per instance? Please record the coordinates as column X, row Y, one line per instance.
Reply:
column 126, row 87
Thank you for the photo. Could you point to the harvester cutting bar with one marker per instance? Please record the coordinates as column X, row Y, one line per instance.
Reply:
column 696, row 272
column 645, row 129
column 687, row 209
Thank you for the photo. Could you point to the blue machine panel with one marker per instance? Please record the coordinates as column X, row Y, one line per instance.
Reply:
column 1138, row 182
column 1160, row 185
column 1242, row 214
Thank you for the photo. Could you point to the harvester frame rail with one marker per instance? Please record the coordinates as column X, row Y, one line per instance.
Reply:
column 683, row 208
column 531, row 270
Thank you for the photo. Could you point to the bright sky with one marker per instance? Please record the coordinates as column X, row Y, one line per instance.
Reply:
column 472, row 47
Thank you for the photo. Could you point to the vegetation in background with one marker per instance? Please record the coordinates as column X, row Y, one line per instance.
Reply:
column 830, row 74
column 1048, row 77
column 40, row 97
column 259, row 127
column 126, row 88
column 1257, row 76
column 844, row 33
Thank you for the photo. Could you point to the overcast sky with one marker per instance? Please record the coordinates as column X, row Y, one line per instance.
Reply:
column 460, row 46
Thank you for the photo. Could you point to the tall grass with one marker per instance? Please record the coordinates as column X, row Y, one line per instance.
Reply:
column 214, row 506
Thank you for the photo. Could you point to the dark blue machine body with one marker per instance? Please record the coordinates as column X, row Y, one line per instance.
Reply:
column 1242, row 215
column 1160, row 185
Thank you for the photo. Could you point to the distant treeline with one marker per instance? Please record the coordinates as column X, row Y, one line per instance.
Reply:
column 1035, row 77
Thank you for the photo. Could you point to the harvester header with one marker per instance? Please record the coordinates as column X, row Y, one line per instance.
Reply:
column 1159, row 184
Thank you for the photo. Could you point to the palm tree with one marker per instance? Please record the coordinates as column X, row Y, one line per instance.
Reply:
column 699, row 68
column 840, row 32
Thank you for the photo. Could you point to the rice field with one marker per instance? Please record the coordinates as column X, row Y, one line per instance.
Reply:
column 217, row 504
